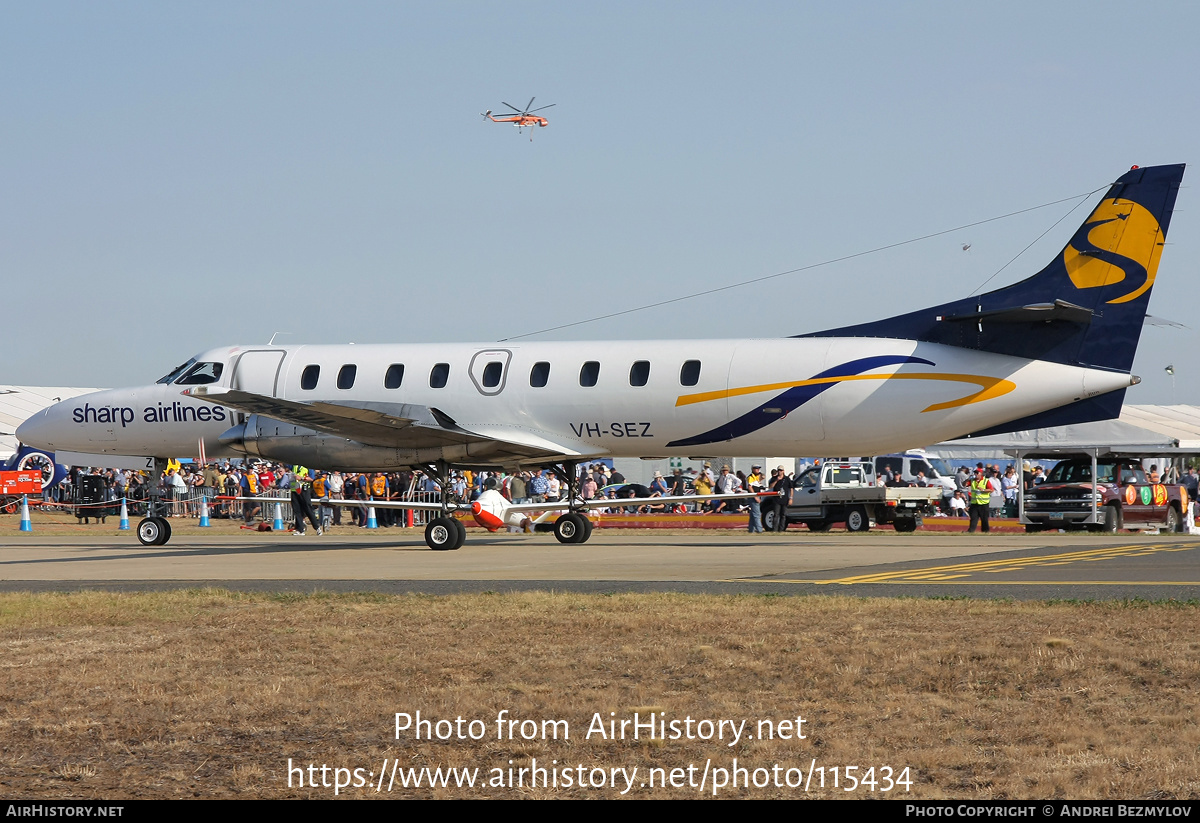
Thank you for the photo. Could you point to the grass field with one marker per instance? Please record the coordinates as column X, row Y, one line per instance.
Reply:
column 210, row 693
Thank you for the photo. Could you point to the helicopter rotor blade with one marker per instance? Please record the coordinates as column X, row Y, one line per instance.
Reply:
column 514, row 108
column 542, row 107
column 531, row 99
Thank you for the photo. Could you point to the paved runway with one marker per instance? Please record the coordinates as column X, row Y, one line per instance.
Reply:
column 879, row 563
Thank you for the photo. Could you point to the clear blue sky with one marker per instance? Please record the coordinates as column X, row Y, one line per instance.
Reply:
column 181, row 176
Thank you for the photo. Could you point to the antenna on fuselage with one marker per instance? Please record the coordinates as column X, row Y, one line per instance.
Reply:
column 271, row 342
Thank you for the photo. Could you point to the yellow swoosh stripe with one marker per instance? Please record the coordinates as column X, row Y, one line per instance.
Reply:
column 989, row 387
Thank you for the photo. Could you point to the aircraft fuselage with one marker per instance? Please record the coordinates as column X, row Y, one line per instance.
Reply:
column 793, row 396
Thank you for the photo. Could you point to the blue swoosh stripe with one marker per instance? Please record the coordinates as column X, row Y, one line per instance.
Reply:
column 792, row 399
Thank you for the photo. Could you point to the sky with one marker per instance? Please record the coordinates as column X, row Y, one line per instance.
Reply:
column 176, row 177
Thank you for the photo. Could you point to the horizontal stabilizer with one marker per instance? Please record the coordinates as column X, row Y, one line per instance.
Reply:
column 1032, row 313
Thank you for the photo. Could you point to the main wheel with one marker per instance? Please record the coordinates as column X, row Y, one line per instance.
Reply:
column 441, row 535
column 153, row 531
column 461, row 530
column 587, row 528
column 568, row 529
column 856, row 520
column 1172, row 519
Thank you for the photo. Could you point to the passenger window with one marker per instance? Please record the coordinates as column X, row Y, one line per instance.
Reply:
column 346, row 376
column 689, row 375
column 589, row 374
column 394, row 376
column 539, row 374
column 639, row 373
column 491, row 375
column 309, row 377
column 439, row 375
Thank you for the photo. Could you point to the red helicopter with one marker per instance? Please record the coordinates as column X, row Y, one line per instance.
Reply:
column 521, row 119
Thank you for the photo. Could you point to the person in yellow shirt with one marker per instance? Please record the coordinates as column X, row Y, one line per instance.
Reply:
column 703, row 485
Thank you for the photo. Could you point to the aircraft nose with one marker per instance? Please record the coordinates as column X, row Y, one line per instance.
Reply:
column 38, row 431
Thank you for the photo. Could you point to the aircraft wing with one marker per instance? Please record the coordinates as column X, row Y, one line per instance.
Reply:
column 557, row 505
column 391, row 425
column 362, row 504
column 620, row 502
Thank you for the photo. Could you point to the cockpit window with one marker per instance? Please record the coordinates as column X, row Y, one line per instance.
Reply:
column 202, row 374
column 175, row 372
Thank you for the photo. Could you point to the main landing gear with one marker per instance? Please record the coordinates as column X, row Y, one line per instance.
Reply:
column 574, row 526
column 444, row 532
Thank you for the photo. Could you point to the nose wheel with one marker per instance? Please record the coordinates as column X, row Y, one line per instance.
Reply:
column 154, row 531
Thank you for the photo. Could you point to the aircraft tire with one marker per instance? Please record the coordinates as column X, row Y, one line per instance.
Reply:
column 857, row 520
column 153, row 531
column 441, row 535
column 568, row 529
column 587, row 528
column 462, row 532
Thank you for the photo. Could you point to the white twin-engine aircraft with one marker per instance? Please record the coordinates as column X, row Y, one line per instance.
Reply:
column 1053, row 349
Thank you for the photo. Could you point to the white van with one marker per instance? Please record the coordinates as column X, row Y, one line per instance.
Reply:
column 938, row 472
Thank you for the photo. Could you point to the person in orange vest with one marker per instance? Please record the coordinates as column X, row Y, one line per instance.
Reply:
column 379, row 491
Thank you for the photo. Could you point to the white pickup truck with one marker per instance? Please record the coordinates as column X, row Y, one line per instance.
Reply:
column 846, row 491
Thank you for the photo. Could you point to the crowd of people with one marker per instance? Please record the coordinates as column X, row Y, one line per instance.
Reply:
column 241, row 490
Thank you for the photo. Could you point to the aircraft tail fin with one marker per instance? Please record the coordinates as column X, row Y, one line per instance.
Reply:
column 1085, row 308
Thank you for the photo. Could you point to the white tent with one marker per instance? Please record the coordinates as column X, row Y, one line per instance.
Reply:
column 1149, row 430
column 19, row 403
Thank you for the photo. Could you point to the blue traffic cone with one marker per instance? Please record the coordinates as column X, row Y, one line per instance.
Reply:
column 124, row 524
column 204, row 511
column 278, row 524
column 372, row 523
column 26, row 525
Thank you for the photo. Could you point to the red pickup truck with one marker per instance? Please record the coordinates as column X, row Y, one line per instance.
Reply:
column 1124, row 498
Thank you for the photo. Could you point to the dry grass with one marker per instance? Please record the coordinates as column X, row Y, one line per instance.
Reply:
column 209, row 693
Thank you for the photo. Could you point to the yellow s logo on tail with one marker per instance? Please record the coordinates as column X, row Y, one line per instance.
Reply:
column 1120, row 240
